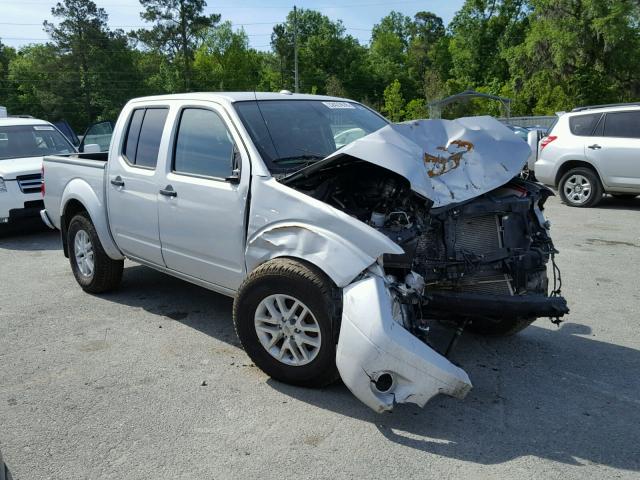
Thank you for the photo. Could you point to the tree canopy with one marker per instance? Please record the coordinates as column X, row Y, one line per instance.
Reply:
column 547, row 55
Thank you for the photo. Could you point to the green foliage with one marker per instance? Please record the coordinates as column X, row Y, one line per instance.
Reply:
column 393, row 102
column 546, row 55
column 324, row 50
column 576, row 53
column 416, row 109
column 224, row 61
column 178, row 26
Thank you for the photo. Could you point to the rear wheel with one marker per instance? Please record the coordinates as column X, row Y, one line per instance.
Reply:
column 94, row 270
column 286, row 317
column 580, row 187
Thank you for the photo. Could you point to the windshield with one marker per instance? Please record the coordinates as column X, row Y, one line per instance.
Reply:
column 32, row 141
column 290, row 134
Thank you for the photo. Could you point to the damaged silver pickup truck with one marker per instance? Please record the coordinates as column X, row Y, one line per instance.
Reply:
column 342, row 237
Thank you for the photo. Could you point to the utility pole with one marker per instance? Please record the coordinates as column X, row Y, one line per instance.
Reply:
column 295, row 50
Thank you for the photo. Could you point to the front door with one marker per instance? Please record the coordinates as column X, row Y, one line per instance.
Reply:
column 202, row 202
column 616, row 149
column 132, row 186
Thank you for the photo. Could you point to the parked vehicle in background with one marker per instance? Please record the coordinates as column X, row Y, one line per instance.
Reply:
column 338, row 255
column 538, row 128
column 23, row 143
column 100, row 134
column 519, row 131
column 591, row 151
column 68, row 132
column 531, row 135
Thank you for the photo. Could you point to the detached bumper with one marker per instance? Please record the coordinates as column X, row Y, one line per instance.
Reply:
column 381, row 362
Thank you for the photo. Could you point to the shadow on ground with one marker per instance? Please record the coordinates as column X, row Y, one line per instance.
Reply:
column 612, row 203
column 557, row 394
column 28, row 235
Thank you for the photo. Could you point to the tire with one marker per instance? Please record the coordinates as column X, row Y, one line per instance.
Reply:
column 499, row 328
column 276, row 286
column 624, row 196
column 106, row 273
column 575, row 183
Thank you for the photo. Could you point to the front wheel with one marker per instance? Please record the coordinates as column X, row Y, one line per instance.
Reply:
column 94, row 270
column 286, row 316
column 580, row 187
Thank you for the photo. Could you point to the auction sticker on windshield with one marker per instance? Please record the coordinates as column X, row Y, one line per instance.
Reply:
column 338, row 105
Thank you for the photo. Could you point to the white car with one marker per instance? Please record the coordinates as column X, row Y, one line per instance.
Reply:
column 591, row 151
column 336, row 257
column 23, row 143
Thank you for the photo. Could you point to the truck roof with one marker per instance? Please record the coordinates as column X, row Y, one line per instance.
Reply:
column 232, row 97
column 11, row 121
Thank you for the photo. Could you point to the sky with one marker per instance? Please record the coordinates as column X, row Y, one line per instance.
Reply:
column 21, row 20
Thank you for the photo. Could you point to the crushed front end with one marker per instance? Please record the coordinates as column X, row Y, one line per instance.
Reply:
column 481, row 265
column 478, row 253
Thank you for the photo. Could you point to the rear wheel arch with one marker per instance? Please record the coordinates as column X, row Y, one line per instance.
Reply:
column 71, row 209
column 571, row 164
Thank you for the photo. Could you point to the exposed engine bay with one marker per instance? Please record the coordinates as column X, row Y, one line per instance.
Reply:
column 481, row 261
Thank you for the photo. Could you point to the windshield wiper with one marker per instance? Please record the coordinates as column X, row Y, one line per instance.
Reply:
column 306, row 158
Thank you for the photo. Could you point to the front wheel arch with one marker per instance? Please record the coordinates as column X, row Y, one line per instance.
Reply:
column 301, row 281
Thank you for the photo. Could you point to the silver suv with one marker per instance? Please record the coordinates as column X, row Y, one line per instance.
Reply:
column 591, row 151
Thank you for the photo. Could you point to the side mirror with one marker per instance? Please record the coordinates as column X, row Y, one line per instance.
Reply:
column 91, row 148
column 234, row 178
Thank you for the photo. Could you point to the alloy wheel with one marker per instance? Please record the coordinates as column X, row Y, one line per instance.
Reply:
column 287, row 329
column 83, row 251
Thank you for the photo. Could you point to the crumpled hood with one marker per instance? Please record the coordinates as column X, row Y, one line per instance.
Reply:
column 11, row 168
column 446, row 161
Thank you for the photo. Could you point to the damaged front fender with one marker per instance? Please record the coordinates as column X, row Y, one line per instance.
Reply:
column 381, row 362
column 287, row 223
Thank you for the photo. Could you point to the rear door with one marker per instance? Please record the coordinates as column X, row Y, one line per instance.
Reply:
column 615, row 149
column 132, row 185
column 202, row 203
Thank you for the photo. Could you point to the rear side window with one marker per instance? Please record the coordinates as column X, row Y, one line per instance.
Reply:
column 203, row 145
column 622, row 124
column 583, row 125
column 143, row 136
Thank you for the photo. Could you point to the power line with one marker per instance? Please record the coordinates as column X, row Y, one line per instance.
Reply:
column 134, row 26
column 255, row 7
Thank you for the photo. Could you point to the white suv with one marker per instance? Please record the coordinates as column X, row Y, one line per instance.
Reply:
column 591, row 151
column 23, row 143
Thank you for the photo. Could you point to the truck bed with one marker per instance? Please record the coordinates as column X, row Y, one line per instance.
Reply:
column 66, row 174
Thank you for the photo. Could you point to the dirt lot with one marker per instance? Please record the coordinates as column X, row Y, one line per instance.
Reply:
column 110, row 386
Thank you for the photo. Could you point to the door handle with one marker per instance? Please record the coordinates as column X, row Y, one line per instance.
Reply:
column 118, row 182
column 168, row 191
column 595, row 146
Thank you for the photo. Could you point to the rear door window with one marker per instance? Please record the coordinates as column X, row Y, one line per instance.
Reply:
column 622, row 125
column 583, row 125
column 144, row 135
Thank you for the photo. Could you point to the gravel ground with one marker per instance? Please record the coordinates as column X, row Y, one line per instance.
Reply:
column 111, row 386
